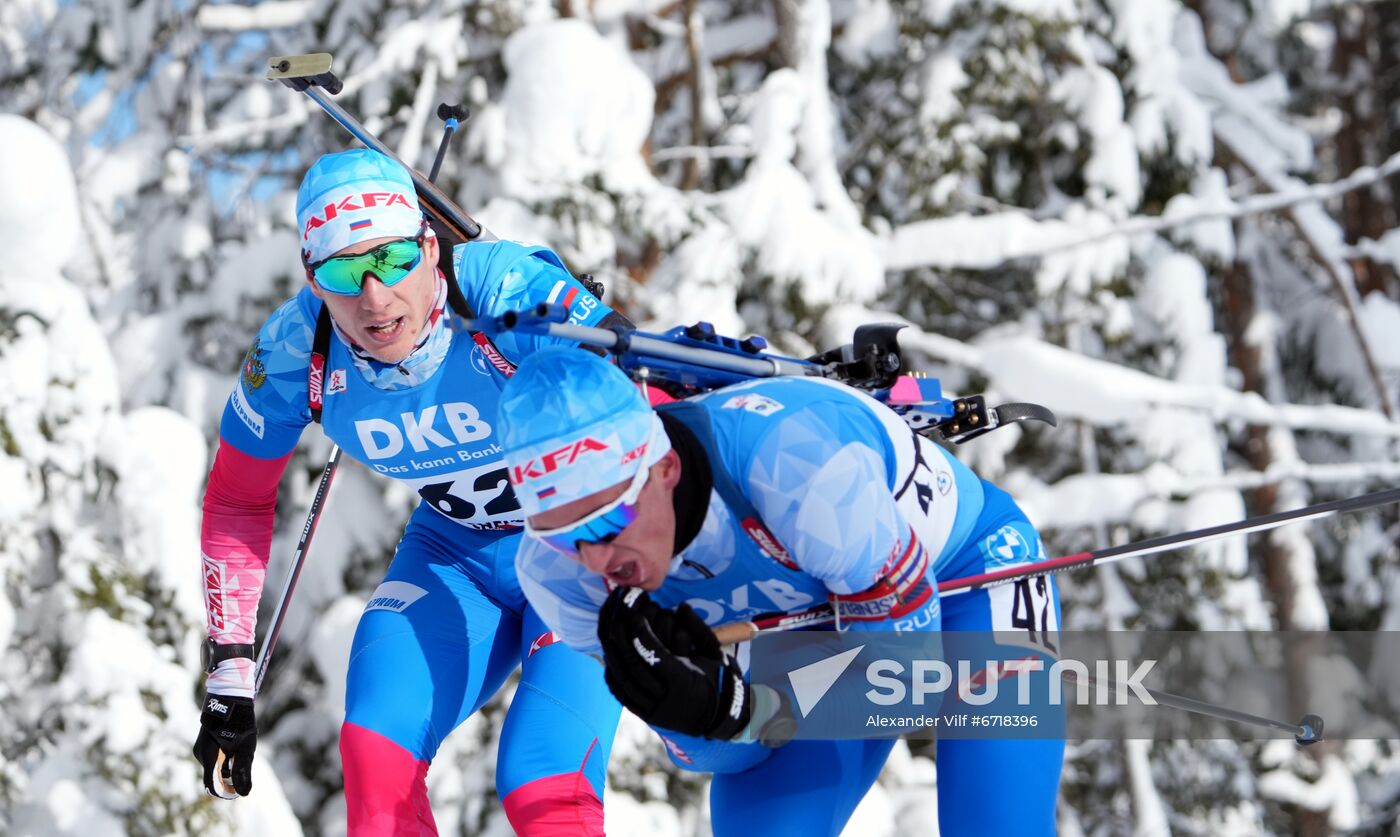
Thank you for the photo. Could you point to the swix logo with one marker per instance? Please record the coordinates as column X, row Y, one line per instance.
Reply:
column 214, row 593
column 314, row 379
column 736, row 706
column 767, row 543
column 554, row 460
column 382, row 438
column 493, row 355
column 215, row 706
column 366, row 200
column 645, row 653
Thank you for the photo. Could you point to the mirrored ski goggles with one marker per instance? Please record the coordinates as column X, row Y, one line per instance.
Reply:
column 391, row 262
column 601, row 525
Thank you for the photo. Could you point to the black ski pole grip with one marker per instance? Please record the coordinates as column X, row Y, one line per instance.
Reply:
column 457, row 112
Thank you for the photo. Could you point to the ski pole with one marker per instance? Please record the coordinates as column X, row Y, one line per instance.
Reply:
column 451, row 116
column 313, row 516
column 822, row 614
column 311, row 74
column 1306, row 731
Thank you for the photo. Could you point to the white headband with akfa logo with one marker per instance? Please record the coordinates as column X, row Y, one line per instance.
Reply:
column 356, row 212
column 610, row 451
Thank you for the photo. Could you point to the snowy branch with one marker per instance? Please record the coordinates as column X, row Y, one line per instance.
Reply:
column 738, row 152
column 404, row 47
column 1023, row 368
column 274, row 14
column 1095, row 499
column 1314, row 231
column 926, row 243
column 237, row 133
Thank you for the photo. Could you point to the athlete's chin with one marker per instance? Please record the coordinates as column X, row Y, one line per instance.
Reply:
column 653, row 575
column 392, row 351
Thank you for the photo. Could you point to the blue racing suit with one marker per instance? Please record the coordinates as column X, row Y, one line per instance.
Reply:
column 449, row 622
column 845, row 495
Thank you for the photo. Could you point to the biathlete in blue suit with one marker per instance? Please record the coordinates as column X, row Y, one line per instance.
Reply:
column 371, row 348
column 646, row 526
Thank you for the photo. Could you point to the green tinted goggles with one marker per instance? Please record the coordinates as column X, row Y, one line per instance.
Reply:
column 390, row 262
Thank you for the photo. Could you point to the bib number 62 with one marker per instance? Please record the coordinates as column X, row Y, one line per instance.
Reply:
column 476, row 497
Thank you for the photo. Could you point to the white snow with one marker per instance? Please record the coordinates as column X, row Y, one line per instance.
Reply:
column 943, row 78
column 575, row 106
column 273, row 14
column 988, row 241
column 1093, row 94
column 1148, row 807
column 1334, row 792
column 1380, row 319
column 871, row 31
column 163, row 473
column 39, row 213
column 775, row 210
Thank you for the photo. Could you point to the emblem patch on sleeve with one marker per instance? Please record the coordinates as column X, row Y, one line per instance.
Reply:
column 254, row 373
column 761, row 404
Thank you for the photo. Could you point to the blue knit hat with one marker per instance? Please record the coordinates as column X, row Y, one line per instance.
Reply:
column 353, row 196
column 573, row 424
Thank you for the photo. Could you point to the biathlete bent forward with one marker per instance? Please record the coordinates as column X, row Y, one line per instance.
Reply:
column 411, row 393
column 769, row 496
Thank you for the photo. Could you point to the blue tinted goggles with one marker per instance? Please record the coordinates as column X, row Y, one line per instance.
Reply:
column 602, row 525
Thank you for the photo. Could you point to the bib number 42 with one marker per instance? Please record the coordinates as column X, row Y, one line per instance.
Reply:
column 1033, row 611
column 1023, row 613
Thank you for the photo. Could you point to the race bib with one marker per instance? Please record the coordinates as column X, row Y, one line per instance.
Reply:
column 478, row 498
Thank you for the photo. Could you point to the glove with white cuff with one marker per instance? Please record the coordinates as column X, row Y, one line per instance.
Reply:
column 228, row 732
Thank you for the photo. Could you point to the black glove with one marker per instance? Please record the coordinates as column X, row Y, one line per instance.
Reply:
column 226, row 725
column 667, row 667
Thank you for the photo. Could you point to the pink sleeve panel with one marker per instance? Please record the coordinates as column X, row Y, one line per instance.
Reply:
column 236, row 537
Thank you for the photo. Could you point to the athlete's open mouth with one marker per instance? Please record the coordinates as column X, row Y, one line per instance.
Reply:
column 386, row 332
column 624, row 574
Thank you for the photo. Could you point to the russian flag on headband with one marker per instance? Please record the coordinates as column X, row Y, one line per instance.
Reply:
column 359, row 225
column 546, row 492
